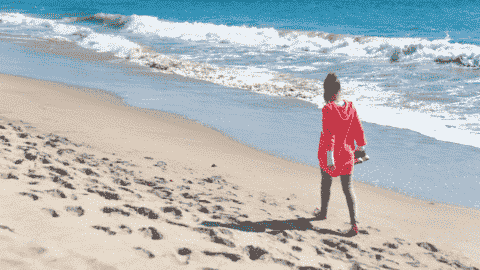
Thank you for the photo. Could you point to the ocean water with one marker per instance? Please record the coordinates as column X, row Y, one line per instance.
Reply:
column 410, row 67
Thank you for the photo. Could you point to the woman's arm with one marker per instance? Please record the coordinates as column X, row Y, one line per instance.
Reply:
column 328, row 136
column 358, row 132
column 330, row 159
column 327, row 124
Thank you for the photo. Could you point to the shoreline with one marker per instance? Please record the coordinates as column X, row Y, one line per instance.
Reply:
column 101, row 120
column 442, row 126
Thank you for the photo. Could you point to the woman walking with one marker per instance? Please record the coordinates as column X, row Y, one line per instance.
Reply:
column 341, row 127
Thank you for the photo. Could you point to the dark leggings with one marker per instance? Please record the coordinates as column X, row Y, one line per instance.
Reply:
column 347, row 190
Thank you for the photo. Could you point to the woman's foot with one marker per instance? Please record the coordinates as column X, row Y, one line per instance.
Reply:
column 319, row 215
column 355, row 228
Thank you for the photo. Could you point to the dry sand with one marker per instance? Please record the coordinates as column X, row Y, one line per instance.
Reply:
column 89, row 183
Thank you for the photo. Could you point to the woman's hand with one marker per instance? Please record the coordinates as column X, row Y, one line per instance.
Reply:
column 331, row 167
column 360, row 148
column 330, row 161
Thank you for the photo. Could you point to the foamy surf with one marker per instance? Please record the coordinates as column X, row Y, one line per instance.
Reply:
column 261, row 39
column 283, row 63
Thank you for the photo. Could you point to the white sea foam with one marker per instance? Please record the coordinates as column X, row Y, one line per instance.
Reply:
column 260, row 38
column 270, row 49
column 434, row 121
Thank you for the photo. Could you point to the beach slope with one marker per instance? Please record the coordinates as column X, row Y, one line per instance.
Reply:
column 90, row 183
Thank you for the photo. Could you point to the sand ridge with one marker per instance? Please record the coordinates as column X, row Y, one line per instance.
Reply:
column 66, row 206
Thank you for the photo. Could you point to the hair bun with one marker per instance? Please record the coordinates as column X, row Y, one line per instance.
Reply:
column 331, row 77
column 331, row 85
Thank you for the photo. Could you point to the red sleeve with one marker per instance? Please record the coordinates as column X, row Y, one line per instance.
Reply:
column 359, row 134
column 327, row 126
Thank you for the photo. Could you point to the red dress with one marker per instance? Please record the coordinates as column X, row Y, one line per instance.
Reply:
column 341, row 126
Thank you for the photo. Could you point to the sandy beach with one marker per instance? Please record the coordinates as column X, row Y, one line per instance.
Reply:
column 89, row 182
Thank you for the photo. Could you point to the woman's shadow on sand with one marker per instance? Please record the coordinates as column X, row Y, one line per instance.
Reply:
column 278, row 226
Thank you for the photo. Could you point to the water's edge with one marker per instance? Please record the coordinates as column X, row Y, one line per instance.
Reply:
column 279, row 125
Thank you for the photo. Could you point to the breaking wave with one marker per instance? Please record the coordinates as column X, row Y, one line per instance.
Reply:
column 134, row 38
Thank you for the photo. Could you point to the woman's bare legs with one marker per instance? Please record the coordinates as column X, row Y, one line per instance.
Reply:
column 325, row 192
column 347, row 190
column 350, row 196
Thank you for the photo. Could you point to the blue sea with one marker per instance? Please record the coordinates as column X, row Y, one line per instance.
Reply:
column 410, row 67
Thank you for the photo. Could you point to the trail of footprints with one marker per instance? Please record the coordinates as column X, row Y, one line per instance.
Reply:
column 209, row 206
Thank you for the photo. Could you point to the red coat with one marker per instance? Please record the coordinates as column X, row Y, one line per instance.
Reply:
column 341, row 126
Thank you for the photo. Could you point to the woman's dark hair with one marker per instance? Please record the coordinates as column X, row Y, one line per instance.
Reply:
column 331, row 87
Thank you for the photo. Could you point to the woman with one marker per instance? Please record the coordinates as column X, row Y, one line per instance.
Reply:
column 341, row 126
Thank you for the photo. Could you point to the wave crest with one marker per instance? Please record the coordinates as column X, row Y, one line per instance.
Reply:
column 251, row 39
column 109, row 20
